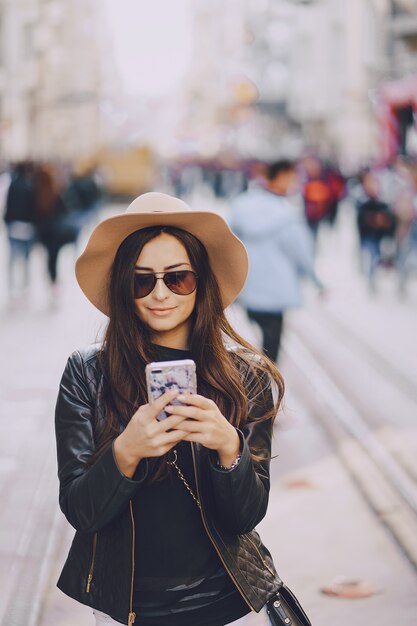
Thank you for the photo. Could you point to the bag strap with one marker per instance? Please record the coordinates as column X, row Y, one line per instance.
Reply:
column 181, row 476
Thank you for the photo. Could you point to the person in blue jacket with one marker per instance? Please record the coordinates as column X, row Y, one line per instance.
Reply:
column 280, row 250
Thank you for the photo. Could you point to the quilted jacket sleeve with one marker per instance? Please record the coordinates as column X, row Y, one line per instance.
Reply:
column 89, row 497
column 241, row 494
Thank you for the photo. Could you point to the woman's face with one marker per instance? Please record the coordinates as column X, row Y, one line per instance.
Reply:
column 164, row 312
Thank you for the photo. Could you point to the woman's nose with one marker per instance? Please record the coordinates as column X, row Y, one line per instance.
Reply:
column 161, row 291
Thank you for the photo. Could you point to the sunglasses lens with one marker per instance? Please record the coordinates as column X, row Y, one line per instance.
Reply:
column 144, row 284
column 181, row 283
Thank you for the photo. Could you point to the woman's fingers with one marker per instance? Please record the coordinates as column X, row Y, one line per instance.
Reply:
column 171, row 438
column 187, row 411
column 197, row 419
column 196, row 400
column 200, row 438
column 173, row 421
column 193, row 426
column 153, row 410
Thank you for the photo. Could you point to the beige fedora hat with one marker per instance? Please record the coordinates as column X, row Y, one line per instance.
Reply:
column 227, row 254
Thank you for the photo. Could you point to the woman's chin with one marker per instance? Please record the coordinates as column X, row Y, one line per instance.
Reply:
column 162, row 326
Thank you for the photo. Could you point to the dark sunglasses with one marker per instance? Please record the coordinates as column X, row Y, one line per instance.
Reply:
column 182, row 283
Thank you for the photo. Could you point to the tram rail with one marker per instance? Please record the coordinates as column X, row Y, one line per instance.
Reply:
column 387, row 477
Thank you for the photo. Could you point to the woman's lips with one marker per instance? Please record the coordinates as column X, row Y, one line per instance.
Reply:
column 161, row 312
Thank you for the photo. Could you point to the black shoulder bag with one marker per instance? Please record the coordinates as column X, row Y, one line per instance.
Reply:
column 284, row 609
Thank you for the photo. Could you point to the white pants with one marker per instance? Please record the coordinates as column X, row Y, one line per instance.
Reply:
column 251, row 619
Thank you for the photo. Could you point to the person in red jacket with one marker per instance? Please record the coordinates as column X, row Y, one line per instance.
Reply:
column 322, row 190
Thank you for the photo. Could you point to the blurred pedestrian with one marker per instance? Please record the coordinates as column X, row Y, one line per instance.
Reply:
column 337, row 184
column 280, row 250
column 82, row 197
column 376, row 223
column 321, row 194
column 407, row 255
column 169, row 506
column 19, row 217
column 406, row 235
column 54, row 229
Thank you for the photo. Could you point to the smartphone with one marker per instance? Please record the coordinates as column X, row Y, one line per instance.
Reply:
column 163, row 376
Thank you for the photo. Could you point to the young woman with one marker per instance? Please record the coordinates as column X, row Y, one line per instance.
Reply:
column 165, row 511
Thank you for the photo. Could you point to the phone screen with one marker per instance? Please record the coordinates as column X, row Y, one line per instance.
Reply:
column 163, row 376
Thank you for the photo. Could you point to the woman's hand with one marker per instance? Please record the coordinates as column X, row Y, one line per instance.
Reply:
column 145, row 436
column 205, row 424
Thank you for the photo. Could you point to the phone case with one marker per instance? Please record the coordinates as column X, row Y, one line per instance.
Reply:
column 165, row 375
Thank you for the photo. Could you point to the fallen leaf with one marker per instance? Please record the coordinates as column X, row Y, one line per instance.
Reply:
column 351, row 589
column 299, row 483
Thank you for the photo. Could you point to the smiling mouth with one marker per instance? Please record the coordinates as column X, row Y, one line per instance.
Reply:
column 161, row 312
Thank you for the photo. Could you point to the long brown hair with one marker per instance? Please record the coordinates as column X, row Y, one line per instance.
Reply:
column 127, row 346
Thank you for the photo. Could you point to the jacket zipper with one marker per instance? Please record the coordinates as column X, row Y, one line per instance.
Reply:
column 90, row 571
column 259, row 554
column 211, row 538
column 132, row 616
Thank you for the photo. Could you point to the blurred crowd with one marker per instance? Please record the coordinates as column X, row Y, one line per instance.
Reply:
column 384, row 198
column 386, row 205
column 47, row 205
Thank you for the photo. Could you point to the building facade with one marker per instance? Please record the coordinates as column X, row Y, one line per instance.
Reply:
column 318, row 66
column 266, row 78
column 51, row 78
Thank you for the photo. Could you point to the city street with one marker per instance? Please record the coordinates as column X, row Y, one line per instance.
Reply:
column 343, row 502
column 262, row 111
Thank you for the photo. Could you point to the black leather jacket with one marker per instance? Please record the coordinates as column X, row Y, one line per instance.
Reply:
column 99, row 501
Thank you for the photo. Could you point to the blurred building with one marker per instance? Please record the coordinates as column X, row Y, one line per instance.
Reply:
column 402, row 38
column 267, row 53
column 395, row 97
column 51, row 77
column 264, row 78
column 336, row 53
column 270, row 78
column 317, row 65
column 208, row 118
column 235, row 101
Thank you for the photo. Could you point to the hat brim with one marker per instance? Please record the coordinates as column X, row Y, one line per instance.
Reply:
column 227, row 254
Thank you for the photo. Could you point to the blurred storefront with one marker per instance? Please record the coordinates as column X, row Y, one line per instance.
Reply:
column 396, row 110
